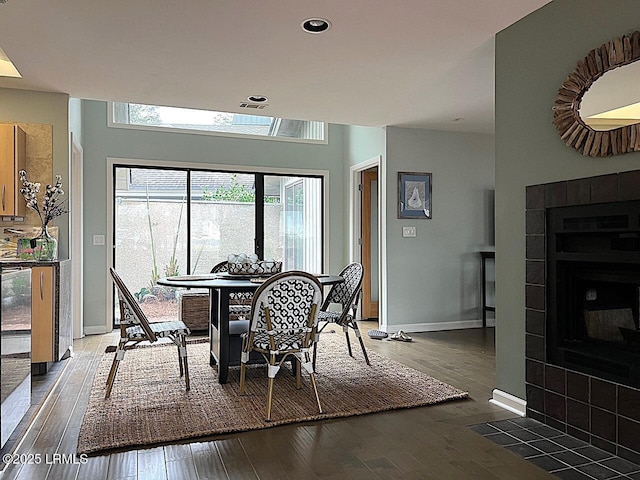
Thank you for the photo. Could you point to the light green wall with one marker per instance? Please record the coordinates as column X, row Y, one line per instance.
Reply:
column 100, row 142
column 431, row 281
column 533, row 57
column 363, row 143
column 27, row 106
column 360, row 145
column 434, row 278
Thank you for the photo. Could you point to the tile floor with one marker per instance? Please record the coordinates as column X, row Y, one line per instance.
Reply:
column 558, row 453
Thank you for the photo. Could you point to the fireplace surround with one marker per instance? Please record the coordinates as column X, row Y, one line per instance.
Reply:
column 582, row 299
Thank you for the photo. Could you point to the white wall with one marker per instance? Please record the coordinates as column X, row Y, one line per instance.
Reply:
column 433, row 280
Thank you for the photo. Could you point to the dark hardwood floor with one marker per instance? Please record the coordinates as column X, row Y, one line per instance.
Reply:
column 431, row 442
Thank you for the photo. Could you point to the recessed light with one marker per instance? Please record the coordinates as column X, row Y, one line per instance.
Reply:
column 316, row 25
column 257, row 98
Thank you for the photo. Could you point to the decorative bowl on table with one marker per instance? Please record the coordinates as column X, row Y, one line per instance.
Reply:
column 250, row 265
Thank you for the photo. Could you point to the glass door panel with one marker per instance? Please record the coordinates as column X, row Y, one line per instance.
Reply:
column 293, row 222
column 223, row 217
column 180, row 221
column 150, row 235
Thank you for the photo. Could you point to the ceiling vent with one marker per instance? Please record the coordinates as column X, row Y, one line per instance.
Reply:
column 253, row 106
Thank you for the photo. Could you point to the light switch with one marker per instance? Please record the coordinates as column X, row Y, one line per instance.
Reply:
column 98, row 239
column 408, row 231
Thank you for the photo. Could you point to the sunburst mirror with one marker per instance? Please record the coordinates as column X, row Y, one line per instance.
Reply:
column 593, row 131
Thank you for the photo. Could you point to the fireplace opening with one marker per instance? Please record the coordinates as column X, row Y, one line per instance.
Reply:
column 593, row 314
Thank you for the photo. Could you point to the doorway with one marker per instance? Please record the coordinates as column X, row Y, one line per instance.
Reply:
column 369, row 243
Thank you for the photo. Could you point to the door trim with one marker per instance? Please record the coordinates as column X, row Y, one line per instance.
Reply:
column 369, row 307
column 77, row 238
column 355, row 219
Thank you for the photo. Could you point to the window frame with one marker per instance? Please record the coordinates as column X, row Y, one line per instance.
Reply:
column 113, row 162
column 153, row 128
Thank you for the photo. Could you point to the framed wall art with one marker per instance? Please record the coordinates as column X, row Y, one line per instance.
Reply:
column 414, row 195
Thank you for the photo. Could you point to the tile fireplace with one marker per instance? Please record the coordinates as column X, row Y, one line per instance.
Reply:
column 582, row 298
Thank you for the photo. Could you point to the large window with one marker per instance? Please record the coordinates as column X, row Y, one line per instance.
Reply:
column 184, row 221
column 136, row 115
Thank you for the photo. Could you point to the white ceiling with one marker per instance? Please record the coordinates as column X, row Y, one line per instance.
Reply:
column 412, row 63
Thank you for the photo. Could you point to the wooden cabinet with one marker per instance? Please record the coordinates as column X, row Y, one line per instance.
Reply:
column 13, row 141
column 52, row 337
column 51, row 322
column 42, row 314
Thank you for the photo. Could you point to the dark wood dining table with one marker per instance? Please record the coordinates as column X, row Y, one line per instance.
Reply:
column 220, row 287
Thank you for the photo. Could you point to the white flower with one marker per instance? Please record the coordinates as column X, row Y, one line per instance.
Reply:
column 50, row 207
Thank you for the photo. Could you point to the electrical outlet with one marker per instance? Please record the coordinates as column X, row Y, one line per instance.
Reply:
column 408, row 231
column 98, row 239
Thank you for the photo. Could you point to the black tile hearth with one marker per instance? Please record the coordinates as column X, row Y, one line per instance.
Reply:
column 603, row 394
column 629, row 403
column 592, row 396
column 561, row 455
column 578, row 386
column 578, row 414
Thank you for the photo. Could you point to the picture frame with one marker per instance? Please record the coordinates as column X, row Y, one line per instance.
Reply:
column 415, row 195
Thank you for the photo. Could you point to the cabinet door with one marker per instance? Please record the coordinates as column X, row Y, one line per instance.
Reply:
column 20, row 152
column 7, row 171
column 42, row 318
column 13, row 142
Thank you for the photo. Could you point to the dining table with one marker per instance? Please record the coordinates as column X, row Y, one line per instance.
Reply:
column 224, row 335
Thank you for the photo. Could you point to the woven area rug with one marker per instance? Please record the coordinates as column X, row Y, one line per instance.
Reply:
column 149, row 405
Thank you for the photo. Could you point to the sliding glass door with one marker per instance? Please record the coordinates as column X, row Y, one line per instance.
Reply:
column 150, row 234
column 295, row 222
column 184, row 221
column 223, row 217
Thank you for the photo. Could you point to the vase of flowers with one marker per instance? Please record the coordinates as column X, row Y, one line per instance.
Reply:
column 45, row 246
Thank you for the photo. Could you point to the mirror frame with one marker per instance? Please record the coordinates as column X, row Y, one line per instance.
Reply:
column 566, row 108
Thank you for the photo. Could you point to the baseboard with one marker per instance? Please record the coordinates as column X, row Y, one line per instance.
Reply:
column 509, row 402
column 94, row 330
column 438, row 326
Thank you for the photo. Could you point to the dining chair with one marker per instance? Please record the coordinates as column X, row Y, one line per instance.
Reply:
column 283, row 326
column 135, row 328
column 193, row 305
column 239, row 302
column 346, row 295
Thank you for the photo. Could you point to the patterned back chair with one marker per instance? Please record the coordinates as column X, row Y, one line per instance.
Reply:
column 135, row 328
column 346, row 295
column 193, row 305
column 239, row 302
column 283, row 323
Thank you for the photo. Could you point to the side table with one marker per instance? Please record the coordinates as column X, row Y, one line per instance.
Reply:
column 486, row 308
